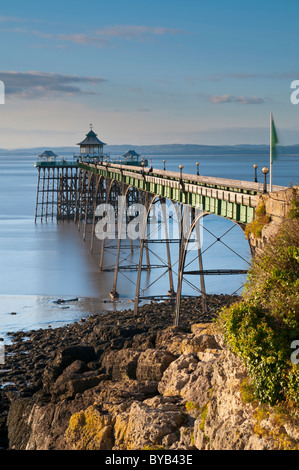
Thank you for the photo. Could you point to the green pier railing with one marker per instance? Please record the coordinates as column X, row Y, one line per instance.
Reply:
column 232, row 199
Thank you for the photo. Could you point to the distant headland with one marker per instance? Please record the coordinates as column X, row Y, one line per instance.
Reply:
column 166, row 149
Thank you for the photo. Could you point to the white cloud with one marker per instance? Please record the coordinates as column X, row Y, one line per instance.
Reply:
column 101, row 37
column 135, row 31
column 220, row 99
column 83, row 39
column 39, row 85
column 6, row 19
column 252, row 76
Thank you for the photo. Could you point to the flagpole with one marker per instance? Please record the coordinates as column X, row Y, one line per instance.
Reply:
column 271, row 156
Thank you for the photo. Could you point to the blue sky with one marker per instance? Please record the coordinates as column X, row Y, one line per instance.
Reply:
column 148, row 72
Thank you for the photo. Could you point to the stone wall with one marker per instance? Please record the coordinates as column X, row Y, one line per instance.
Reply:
column 276, row 207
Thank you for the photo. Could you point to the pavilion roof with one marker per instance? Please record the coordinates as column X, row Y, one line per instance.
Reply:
column 131, row 153
column 48, row 153
column 91, row 139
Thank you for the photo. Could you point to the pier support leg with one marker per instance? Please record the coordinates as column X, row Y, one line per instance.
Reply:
column 82, row 185
column 93, row 228
column 53, row 190
column 98, row 191
column 182, row 254
column 43, row 195
column 36, row 203
column 102, row 255
column 86, row 206
column 180, row 282
column 143, row 235
column 108, row 193
column 78, row 195
column 136, row 302
column 47, row 199
column 202, row 277
column 148, row 262
column 171, row 289
column 114, row 294
column 122, row 218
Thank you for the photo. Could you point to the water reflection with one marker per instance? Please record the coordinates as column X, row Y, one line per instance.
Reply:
column 42, row 263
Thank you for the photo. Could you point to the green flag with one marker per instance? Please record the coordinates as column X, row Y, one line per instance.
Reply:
column 274, row 139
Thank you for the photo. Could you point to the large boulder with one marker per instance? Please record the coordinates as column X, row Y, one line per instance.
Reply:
column 170, row 339
column 152, row 363
column 90, row 430
column 65, row 356
column 188, row 378
column 76, row 379
column 120, row 365
column 38, row 424
column 177, row 375
column 151, row 423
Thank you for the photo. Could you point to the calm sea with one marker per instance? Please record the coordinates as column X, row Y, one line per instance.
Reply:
column 42, row 263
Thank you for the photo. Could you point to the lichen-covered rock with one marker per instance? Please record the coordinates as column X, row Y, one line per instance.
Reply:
column 120, row 429
column 149, row 422
column 41, row 424
column 195, row 344
column 90, row 430
column 203, row 328
column 183, row 391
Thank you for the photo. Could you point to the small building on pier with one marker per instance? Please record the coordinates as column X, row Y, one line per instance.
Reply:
column 48, row 156
column 91, row 146
column 131, row 155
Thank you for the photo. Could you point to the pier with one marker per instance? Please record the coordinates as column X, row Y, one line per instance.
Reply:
column 103, row 199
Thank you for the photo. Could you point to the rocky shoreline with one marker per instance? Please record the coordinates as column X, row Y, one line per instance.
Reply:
column 120, row 381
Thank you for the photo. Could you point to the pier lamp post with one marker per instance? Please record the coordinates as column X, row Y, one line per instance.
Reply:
column 106, row 164
column 164, row 161
column 181, row 173
column 197, row 168
column 142, row 164
column 265, row 171
column 255, row 172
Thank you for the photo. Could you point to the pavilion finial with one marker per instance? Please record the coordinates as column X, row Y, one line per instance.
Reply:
column 90, row 127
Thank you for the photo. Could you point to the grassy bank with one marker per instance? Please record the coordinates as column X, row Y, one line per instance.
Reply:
column 262, row 328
